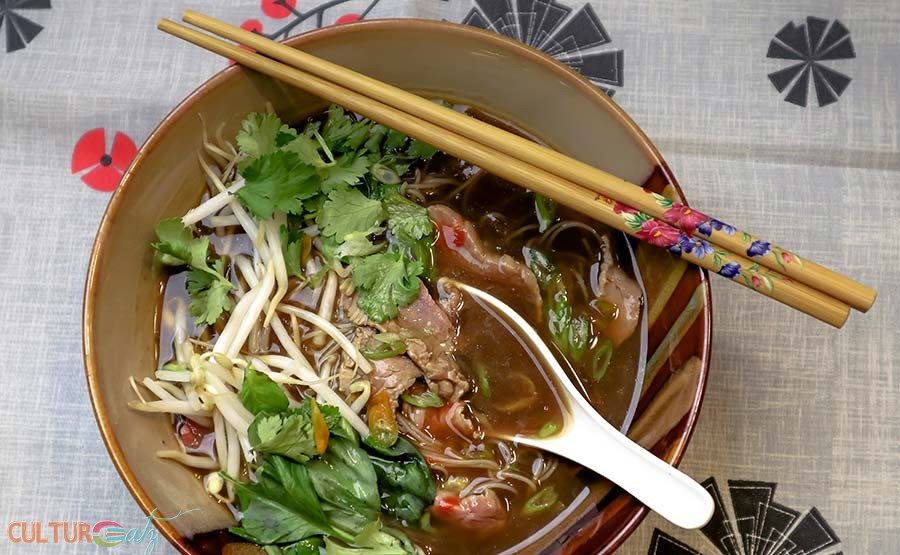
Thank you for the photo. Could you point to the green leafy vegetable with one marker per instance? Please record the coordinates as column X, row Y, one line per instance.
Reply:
column 375, row 539
column 289, row 433
column 420, row 150
column 279, row 181
column 424, row 400
column 295, row 246
column 282, row 507
column 404, row 479
column 386, row 282
column 309, row 546
column 406, row 219
column 344, row 480
column 206, row 284
column 209, row 292
column 348, row 211
column 261, row 134
column 342, row 133
column 260, row 394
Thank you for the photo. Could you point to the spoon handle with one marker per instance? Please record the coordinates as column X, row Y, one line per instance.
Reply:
column 592, row 442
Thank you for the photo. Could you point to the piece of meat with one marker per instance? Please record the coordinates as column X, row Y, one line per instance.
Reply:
column 618, row 289
column 459, row 254
column 445, row 424
column 394, row 375
column 478, row 511
column 430, row 338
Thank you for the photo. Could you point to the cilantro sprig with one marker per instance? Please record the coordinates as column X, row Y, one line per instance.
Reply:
column 206, row 283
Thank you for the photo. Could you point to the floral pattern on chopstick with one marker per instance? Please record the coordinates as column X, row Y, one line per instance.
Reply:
column 663, row 234
column 690, row 220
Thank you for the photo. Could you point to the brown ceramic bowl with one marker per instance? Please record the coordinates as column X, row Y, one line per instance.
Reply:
column 500, row 76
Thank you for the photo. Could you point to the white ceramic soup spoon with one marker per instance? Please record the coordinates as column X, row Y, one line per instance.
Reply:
column 589, row 440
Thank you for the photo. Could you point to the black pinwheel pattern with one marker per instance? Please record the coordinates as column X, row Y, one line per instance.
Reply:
column 575, row 37
column 811, row 44
column 755, row 525
column 18, row 29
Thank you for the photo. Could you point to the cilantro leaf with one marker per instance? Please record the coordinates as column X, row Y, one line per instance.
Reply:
column 394, row 140
column 347, row 211
column 260, row 394
column 420, row 150
column 359, row 244
column 289, row 433
column 295, row 246
column 342, row 133
column 277, row 181
column 386, row 282
column 406, row 219
column 306, row 146
column 347, row 170
column 209, row 293
column 263, row 133
column 207, row 285
column 177, row 246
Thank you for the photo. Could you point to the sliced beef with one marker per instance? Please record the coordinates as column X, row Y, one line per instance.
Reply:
column 461, row 255
column 395, row 375
column 430, row 337
column 476, row 512
column 618, row 289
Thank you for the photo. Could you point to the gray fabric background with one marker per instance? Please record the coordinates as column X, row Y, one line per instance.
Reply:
column 789, row 400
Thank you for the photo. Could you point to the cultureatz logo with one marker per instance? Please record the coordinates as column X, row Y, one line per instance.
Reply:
column 105, row 533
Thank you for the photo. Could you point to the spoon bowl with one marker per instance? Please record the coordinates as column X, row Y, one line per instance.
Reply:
column 589, row 440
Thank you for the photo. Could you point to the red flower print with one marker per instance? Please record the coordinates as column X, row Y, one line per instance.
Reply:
column 620, row 208
column 658, row 234
column 787, row 257
column 252, row 25
column 756, row 281
column 347, row 18
column 684, row 217
column 106, row 168
column 278, row 9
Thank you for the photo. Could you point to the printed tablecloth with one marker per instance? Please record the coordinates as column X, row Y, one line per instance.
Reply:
column 782, row 115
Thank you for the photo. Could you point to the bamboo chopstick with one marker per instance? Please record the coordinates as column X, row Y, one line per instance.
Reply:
column 691, row 221
column 599, row 207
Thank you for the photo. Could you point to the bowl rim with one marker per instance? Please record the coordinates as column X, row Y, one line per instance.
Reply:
column 590, row 90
